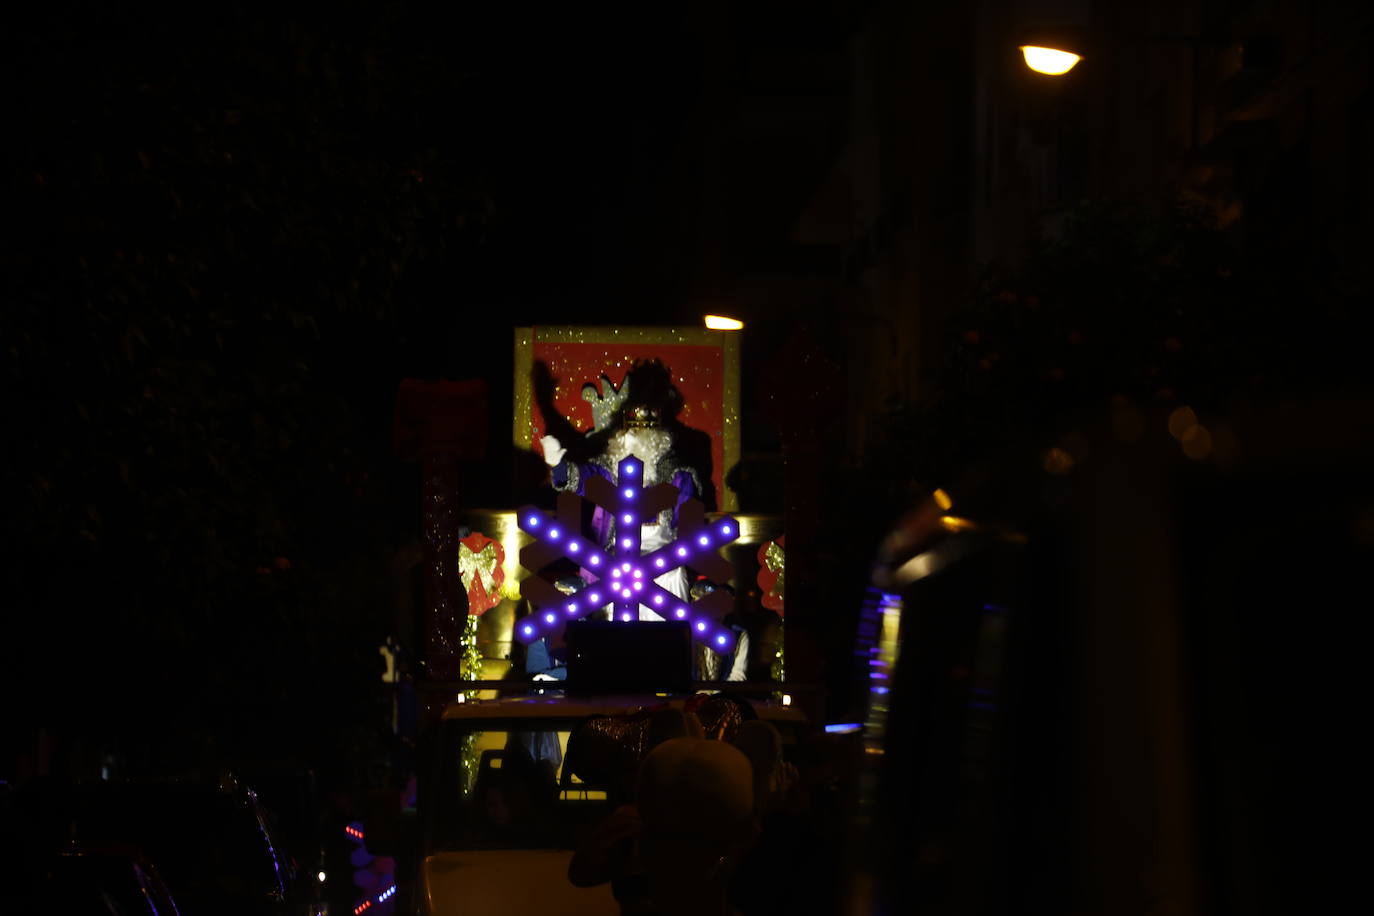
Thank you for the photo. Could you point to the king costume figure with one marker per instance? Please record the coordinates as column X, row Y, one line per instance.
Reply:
column 640, row 419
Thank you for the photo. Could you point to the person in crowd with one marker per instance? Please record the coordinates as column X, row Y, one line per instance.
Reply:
column 674, row 847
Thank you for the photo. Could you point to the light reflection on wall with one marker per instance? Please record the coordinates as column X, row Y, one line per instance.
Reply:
column 879, row 646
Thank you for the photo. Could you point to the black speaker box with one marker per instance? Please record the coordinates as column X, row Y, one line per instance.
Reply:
column 607, row 656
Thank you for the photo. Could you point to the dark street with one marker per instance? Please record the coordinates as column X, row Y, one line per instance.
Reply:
column 847, row 457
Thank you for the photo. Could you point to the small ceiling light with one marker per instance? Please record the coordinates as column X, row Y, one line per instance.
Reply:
column 722, row 323
column 1050, row 61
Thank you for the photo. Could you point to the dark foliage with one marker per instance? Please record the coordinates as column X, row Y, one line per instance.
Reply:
column 227, row 230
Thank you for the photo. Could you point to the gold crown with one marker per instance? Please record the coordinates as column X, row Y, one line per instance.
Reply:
column 641, row 416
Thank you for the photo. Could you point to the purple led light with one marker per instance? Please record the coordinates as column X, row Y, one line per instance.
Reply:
column 626, row 586
column 625, row 617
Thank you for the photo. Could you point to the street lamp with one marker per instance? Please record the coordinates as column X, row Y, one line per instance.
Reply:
column 723, row 323
column 1050, row 61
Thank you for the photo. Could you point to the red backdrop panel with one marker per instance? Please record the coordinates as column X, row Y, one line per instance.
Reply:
column 698, row 372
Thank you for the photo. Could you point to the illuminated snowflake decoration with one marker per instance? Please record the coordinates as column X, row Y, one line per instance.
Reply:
column 623, row 578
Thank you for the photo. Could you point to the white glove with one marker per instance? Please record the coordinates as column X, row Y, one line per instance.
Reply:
column 553, row 451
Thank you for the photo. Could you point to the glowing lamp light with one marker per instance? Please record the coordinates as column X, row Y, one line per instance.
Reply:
column 720, row 640
column 595, row 560
column 703, row 540
column 639, row 574
column 628, row 518
column 629, row 469
column 625, row 593
column 659, row 562
column 572, row 547
column 625, row 542
column 658, row 599
column 682, row 551
column 639, row 586
column 553, row 534
column 549, row 618
column 701, row 626
column 681, row 613
column 527, row 630
column 625, row 566
column 723, row 323
column 321, row 876
column 628, row 493
column 615, row 573
column 596, row 597
column 572, row 607
column 625, row 617
column 1050, row 61
column 725, row 530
